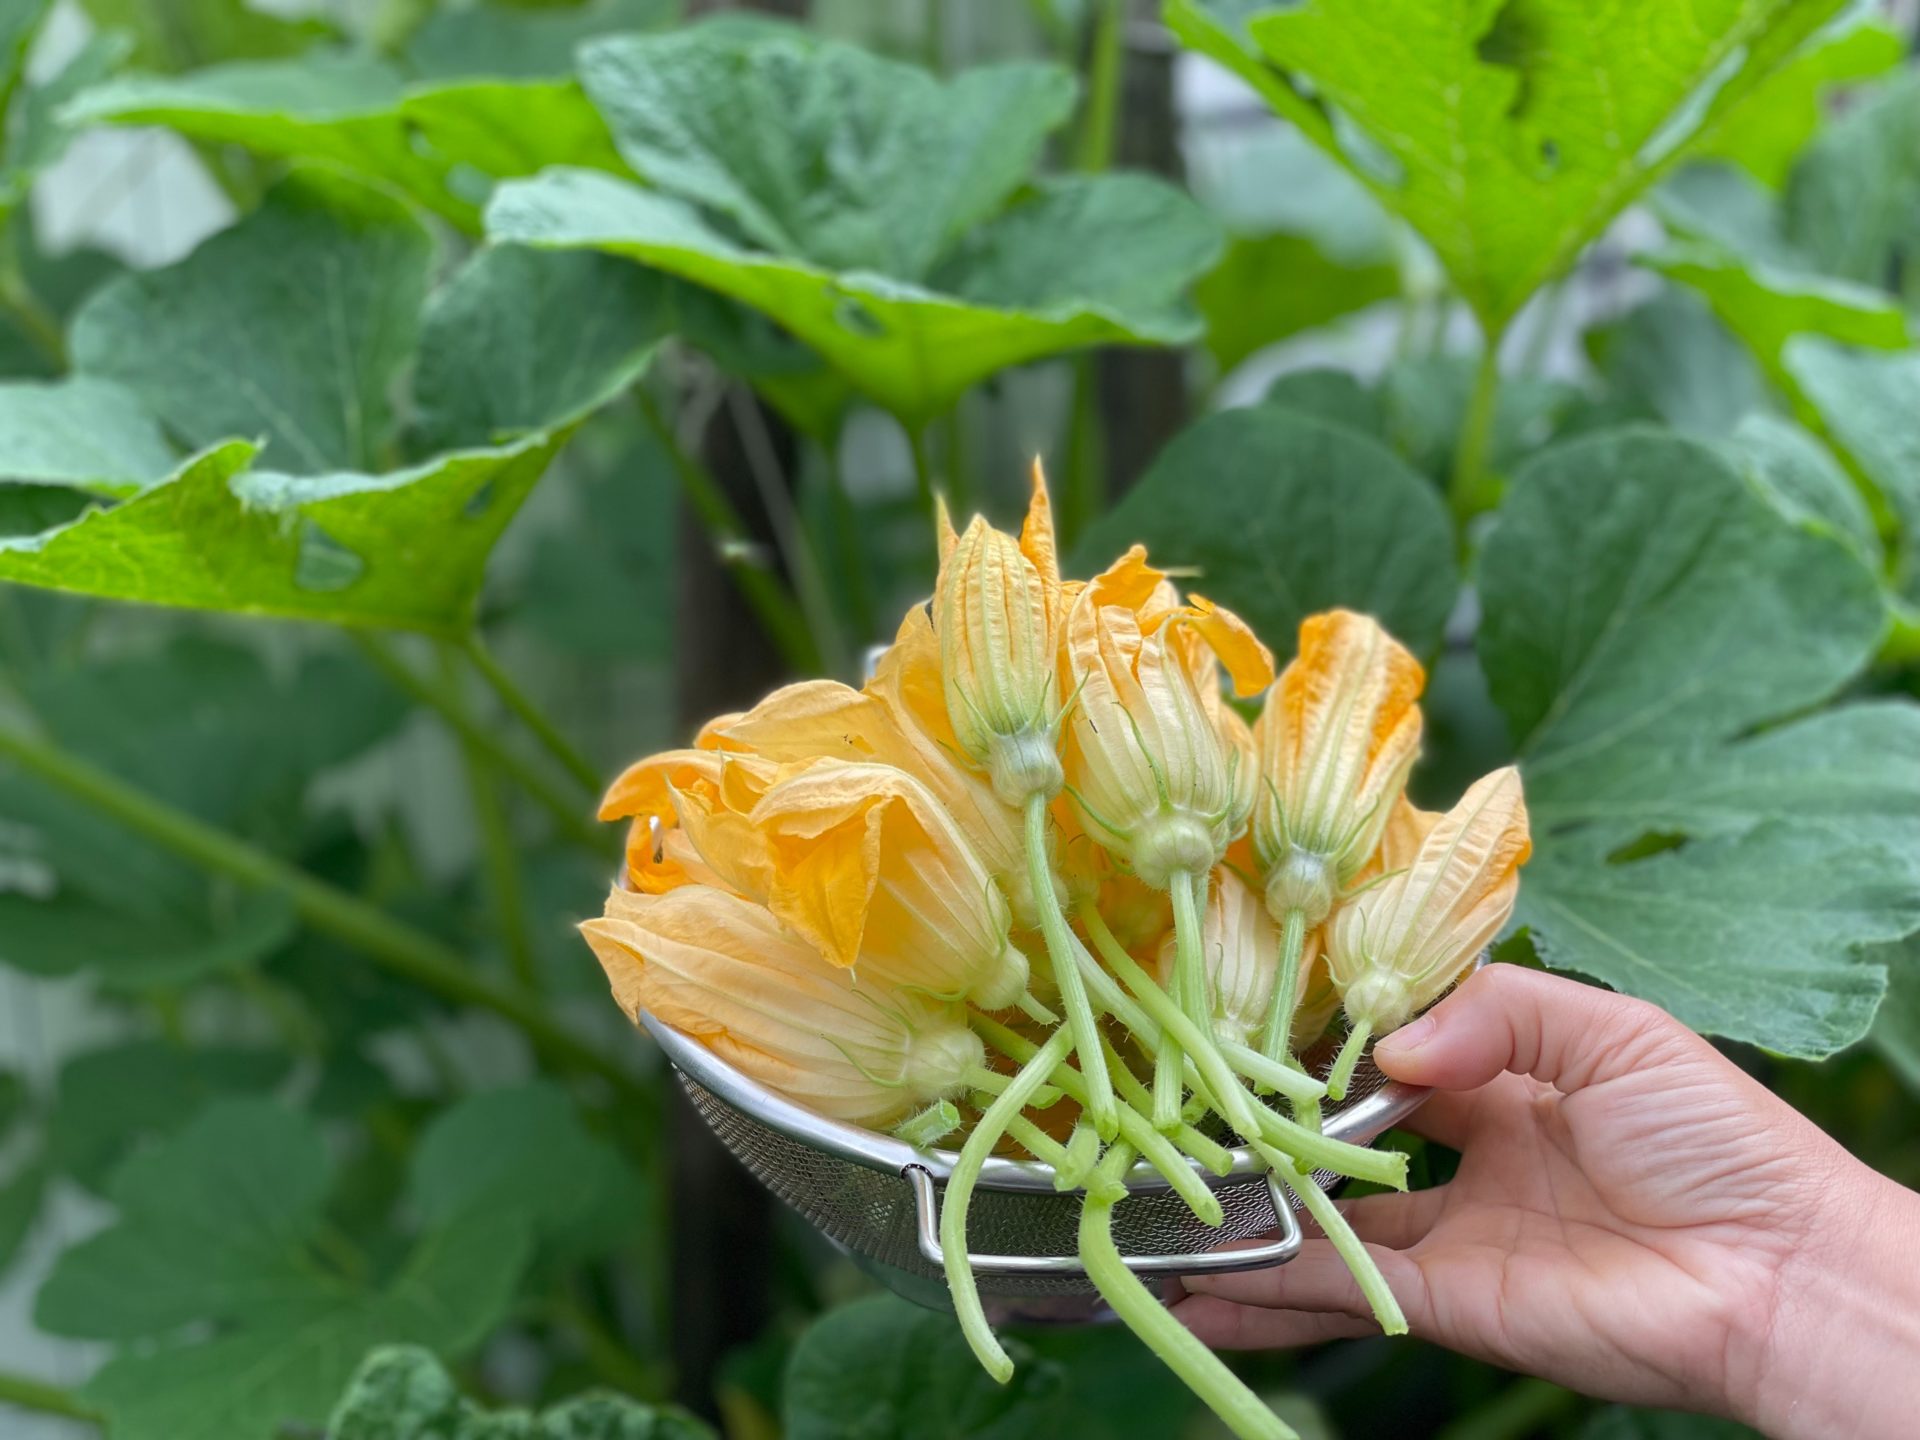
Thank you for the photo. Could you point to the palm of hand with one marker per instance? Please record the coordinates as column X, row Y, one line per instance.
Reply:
column 1623, row 1238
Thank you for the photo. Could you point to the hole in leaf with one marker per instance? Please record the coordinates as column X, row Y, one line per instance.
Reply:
column 1654, row 842
column 1510, row 43
column 478, row 502
column 324, row 564
column 851, row 315
column 1550, row 153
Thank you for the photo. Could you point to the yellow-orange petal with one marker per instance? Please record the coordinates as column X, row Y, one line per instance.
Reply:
column 1248, row 662
column 1037, row 541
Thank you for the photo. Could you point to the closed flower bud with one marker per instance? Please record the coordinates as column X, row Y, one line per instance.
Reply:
column 869, row 867
column 1145, row 758
column 1339, row 733
column 1403, row 942
column 995, row 607
column 724, row 971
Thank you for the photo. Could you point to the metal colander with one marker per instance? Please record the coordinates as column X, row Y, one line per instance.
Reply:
column 878, row 1198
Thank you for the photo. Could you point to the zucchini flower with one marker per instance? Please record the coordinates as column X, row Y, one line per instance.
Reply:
column 1337, row 738
column 724, row 971
column 996, row 607
column 869, row 867
column 1396, row 947
column 1145, row 759
column 689, row 810
column 1240, row 941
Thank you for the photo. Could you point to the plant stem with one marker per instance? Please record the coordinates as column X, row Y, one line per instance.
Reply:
column 1042, row 1146
column 606, row 1352
column 1342, row 1073
column 1084, row 1028
column 772, row 603
column 496, row 849
column 1276, row 1041
column 1276, row 1075
column 40, row 327
column 959, row 1192
column 399, row 948
column 1154, row 1147
column 1216, row 1157
column 922, row 465
column 1476, row 432
column 1203, row 1371
column 568, row 814
column 28, row 1394
column 1319, row 1152
column 1236, row 1107
column 1104, row 61
column 1372, row 1283
column 1105, row 990
column 531, row 715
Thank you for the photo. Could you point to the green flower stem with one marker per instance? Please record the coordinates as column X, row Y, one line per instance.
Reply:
column 1029, row 1005
column 1346, row 1244
column 922, row 464
column 1156, row 1149
column 1082, row 1154
column 1066, row 973
column 570, row 814
column 1189, row 964
column 1467, row 487
column 1210, row 1153
column 1318, row 1152
column 1105, row 991
column 1203, row 1371
column 36, row 1395
column 1232, row 1102
column 497, row 851
column 531, row 715
column 1276, row 1040
column 992, row 1082
column 1342, row 1073
column 1169, row 1085
column 1036, row 1142
column 772, row 602
column 1276, row 1075
column 399, row 948
column 959, row 1193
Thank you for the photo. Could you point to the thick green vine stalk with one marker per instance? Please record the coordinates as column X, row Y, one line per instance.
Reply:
column 1203, row 1371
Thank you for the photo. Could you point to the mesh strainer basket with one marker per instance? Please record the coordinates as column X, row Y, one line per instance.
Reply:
column 878, row 1198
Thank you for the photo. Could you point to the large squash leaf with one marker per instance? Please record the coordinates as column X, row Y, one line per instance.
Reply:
column 322, row 532
column 1647, row 611
column 217, row 1234
column 862, row 205
column 1509, row 133
column 1297, row 515
column 404, row 1393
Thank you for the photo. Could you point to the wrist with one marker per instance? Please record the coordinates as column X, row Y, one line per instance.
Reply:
column 1841, row 1352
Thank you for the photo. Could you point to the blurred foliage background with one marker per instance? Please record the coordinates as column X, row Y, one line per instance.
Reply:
column 299, row 1054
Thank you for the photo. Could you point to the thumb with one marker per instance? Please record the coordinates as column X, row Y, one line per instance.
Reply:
column 1504, row 1018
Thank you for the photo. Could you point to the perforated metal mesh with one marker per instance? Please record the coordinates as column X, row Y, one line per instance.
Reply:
column 872, row 1212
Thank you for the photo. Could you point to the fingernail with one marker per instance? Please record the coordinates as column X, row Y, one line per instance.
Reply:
column 1409, row 1038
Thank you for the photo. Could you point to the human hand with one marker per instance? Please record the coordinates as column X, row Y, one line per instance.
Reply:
column 1633, row 1217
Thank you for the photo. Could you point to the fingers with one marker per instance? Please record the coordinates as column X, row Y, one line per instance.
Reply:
column 1508, row 1019
column 1317, row 1281
column 1225, row 1325
column 1395, row 1221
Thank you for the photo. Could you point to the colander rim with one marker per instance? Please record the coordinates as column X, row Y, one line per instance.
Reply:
column 1359, row 1122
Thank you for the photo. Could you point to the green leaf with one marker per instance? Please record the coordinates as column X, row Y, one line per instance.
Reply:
column 174, row 35
column 127, row 949
column 1424, row 403
column 404, row 1393
column 316, row 385
column 1853, row 204
column 87, row 433
column 520, row 336
column 1297, row 515
column 1865, row 400
column 1272, row 286
column 19, row 23
column 1670, row 359
column 1641, row 597
column 502, row 128
column 20, row 1199
column 1804, row 481
column 522, row 42
column 406, row 549
column 883, row 1369
column 823, row 152
column 1766, row 134
column 525, row 1152
column 1507, row 134
column 909, row 348
column 108, row 1101
column 1647, row 609
column 1622, row 1422
column 217, row 1226
column 13, row 1102
column 343, row 109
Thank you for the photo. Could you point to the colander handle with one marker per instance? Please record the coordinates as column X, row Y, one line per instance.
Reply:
column 1275, row 1252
